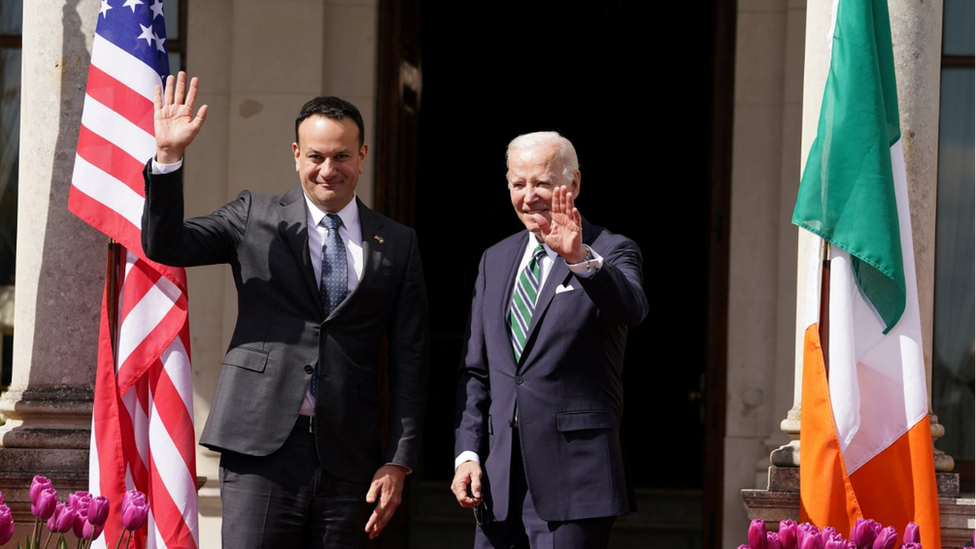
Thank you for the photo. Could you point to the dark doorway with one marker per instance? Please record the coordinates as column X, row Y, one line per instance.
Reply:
column 636, row 96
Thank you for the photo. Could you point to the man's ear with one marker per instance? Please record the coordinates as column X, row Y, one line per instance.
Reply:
column 362, row 157
column 297, row 152
column 575, row 187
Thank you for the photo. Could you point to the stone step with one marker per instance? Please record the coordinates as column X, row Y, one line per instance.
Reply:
column 668, row 519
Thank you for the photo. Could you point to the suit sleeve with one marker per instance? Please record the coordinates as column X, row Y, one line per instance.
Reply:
column 205, row 240
column 617, row 288
column 408, row 339
column 473, row 391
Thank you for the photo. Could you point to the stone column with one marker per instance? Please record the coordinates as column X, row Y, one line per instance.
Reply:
column 60, row 266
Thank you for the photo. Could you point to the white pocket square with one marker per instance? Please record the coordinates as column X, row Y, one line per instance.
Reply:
column 564, row 288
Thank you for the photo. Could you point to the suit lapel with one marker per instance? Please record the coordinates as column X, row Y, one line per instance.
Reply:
column 371, row 225
column 507, row 271
column 295, row 232
column 558, row 275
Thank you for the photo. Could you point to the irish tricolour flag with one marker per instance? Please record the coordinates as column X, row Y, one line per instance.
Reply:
column 865, row 439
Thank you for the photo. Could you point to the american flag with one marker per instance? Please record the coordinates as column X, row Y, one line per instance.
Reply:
column 142, row 426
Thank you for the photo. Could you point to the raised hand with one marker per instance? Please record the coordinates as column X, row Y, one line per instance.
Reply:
column 563, row 231
column 173, row 118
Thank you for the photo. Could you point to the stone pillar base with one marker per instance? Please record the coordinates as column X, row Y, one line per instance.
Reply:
column 781, row 501
column 47, row 433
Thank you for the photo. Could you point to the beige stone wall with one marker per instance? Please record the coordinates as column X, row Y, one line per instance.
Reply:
column 762, row 258
column 258, row 62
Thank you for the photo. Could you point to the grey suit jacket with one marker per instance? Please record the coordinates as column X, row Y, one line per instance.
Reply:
column 567, row 383
column 281, row 333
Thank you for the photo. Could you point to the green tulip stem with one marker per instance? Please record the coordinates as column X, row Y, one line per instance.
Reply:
column 35, row 535
column 48, row 542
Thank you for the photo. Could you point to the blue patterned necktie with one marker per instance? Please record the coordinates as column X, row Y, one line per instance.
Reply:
column 334, row 284
column 523, row 301
column 335, row 275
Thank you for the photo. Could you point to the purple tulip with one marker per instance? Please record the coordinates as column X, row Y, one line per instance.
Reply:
column 78, row 526
column 80, row 500
column 911, row 533
column 6, row 524
column 787, row 534
column 47, row 500
column 826, row 532
column 772, row 541
column 135, row 511
column 811, row 541
column 886, row 539
column 39, row 483
column 911, row 545
column 1, row 498
column 62, row 520
column 803, row 531
column 835, row 541
column 864, row 532
column 743, row 547
column 98, row 510
column 757, row 534
column 92, row 531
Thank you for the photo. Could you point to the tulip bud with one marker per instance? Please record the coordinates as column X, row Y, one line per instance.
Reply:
column 6, row 524
column 835, row 541
column 63, row 518
column 864, row 532
column 827, row 532
column 787, row 534
column 911, row 545
column 78, row 525
column 886, row 539
column 911, row 533
column 757, row 534
column 134, row 514
column 98, row 510
column 39, row 483
column 80, row 500
column 772, row 541
column 812, row 541
column 92, row 531
column 47, row 501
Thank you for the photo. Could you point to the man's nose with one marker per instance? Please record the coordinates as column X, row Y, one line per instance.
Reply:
column 530, row 193
column 327, row 168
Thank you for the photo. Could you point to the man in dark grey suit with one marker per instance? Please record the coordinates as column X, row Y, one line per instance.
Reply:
column 537, row 433
column 321, row 280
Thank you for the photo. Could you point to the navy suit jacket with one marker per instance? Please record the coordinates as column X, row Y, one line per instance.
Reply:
column 282, row 333
column 567, row 382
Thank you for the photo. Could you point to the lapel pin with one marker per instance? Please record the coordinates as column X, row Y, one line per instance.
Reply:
column 378, row 238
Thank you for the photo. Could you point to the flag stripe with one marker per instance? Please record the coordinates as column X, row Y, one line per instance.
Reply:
column 126, row 102
column 124, row 68
column 115, row 128
column 105, row 156
column 105, row 189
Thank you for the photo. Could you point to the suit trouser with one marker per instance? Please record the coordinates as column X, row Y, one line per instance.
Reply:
column 286, row 499
column 523, row 529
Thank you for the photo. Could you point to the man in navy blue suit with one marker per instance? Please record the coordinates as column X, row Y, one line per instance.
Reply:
column 537, row 432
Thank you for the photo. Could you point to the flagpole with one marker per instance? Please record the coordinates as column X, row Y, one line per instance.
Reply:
column 113, row 276
column 824, row 324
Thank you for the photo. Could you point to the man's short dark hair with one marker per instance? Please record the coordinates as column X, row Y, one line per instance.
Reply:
column 334, row 108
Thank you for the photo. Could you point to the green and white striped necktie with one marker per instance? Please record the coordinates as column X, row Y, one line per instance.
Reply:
column 523, row 301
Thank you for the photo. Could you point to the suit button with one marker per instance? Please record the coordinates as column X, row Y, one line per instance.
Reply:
column 518, row 380
column 309, row 369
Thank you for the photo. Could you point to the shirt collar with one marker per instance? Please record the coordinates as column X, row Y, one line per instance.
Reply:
column 349, row 214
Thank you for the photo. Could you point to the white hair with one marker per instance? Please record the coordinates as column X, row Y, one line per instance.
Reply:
column 539, row 139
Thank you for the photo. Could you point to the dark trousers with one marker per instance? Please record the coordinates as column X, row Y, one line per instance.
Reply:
column 523, row 529
column 286, row 499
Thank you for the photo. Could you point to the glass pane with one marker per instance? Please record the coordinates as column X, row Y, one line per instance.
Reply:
column 171, row 10
column 175, row 62
column 957, row 28
column 953, row 349
column 9, row 154
column 11, row 16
